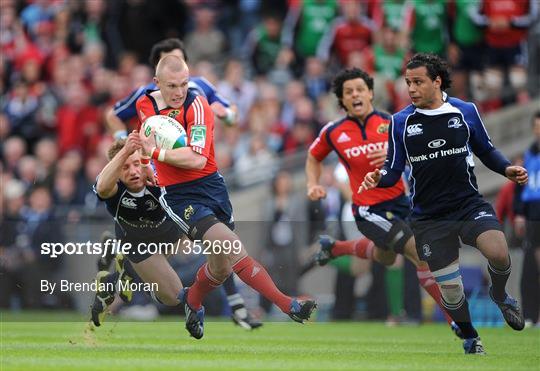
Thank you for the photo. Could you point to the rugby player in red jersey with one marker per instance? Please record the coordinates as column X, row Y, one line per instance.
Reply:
column 195, row 196
column 360, row 140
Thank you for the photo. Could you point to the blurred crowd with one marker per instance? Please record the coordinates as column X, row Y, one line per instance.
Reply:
column 64, row 63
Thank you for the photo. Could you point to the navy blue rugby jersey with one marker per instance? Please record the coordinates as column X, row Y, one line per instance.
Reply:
column 138, row 216
column 439, row 145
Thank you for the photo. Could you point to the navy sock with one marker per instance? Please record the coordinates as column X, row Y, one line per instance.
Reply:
column 498, row 280
column 460, row 314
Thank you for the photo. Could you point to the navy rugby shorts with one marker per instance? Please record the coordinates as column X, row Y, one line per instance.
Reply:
column 190, row 202
column 437, row 237
column 384, row 223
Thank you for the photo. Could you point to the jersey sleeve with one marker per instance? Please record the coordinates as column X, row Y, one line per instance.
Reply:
column 126, row 108
column 145, row 109
column 112, row 202
column 320, row 148
column 479, row 140
column 200, row 121
column 396, row 157
column 210, row 91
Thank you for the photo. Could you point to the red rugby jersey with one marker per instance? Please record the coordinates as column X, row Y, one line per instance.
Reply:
column 197, row 118
column 352, row 141
column 516, row 11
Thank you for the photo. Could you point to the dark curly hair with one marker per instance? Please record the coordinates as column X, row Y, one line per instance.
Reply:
column 349, row 74
column 166, row 46
column 435, row 65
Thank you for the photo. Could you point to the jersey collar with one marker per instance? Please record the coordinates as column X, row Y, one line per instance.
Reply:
column 360, row 122
column 141, row 193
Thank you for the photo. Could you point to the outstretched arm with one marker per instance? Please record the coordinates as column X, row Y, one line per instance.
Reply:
column 315, row 191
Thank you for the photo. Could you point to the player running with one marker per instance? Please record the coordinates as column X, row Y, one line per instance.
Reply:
column 124, row 111
column 360, row 140
column 437, row 135
column 140, row 220
column 196, row 198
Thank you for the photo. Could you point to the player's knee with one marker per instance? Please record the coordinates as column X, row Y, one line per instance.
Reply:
column 221, row 272
column 495, row 250
column 500, row 259
column 518, row 78
column 236, row 255
column 398, row 237
column 450, row 283
column 452, row 293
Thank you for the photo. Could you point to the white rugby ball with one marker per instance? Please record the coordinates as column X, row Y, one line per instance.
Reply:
column 169, row 133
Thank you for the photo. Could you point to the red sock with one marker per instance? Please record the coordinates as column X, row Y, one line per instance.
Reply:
column 362, row 248
column 427, row 281
column 204, row 283
column 254, row 274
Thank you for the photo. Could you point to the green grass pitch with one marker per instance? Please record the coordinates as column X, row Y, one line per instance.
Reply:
column 66, row 344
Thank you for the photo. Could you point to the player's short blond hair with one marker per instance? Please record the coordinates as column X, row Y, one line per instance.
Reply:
column 172, row 63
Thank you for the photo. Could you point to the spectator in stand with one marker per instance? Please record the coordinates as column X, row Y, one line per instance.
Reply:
column 37, row 12
column 256, row 165
column 94, row 56
column 102, row 83
column 305, row 126
column 263, row 44
column 389, row 59
column 79, row 124
column 315, row 79
column 46, row 152
column 21, row 108
column 86, row 195
column 238, row 89
column 14, row 148
column 428, row 25
column 91, row 23
column 349, row 33
column 505, row 24
column 17, row 270
column 4, row 129
column 66, row 198
column 38, row 222
column 305, row 25
column 391, row 13
column 527, row 208
column 27, row 171
column 206, row 41
column 294, row 91
column 465, row 51
column 239, row 18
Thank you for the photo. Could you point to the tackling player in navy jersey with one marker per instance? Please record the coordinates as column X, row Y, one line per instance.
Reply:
column 139, row 220
column 438, row 135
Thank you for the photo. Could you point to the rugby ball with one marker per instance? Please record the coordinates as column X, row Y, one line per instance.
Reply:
column 168, row 132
